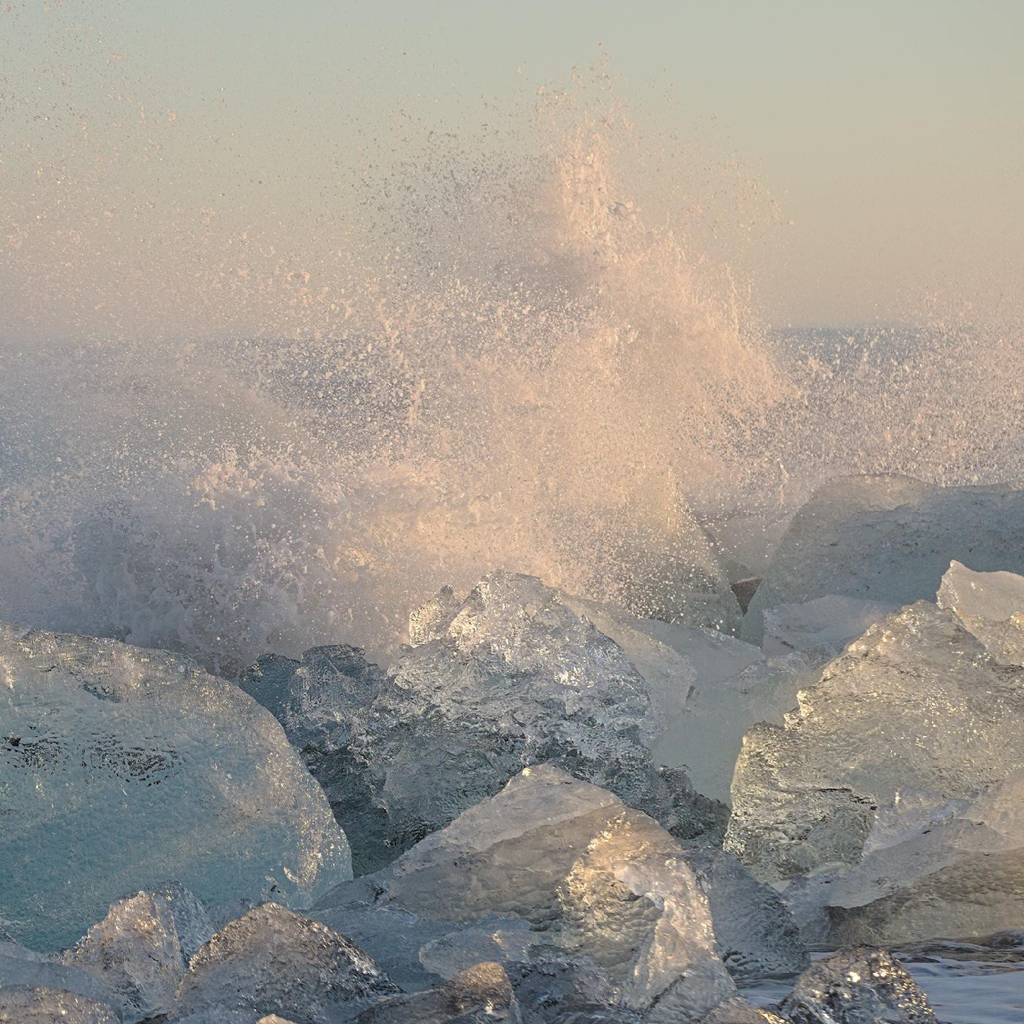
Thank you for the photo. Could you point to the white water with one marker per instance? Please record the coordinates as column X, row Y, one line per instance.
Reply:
column 512, row 368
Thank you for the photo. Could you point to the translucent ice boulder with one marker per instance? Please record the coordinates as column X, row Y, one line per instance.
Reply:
column 316, row 699
column 757, row 935
column 49, row 1006
column 706, row 734
column 990, row 605
column 122, row 769
column 272, row 961
column 514, row 674
column 887, row 539
column 324, row 702
column 857, row 986
column 601, row 888
column 895, row 773
column 140, row 950
column 958, row 873
column 739, row 1011
column 820, row 628
column 481, row 994
column 706, row 690
column 22, row 968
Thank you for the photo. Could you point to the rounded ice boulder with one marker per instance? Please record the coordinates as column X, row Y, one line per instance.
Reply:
column 888, row 540
column 124, row 769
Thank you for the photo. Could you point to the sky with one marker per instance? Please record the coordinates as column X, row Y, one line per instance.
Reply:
column 888, row 135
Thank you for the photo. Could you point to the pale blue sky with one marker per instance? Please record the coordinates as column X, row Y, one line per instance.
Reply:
column 891, row 134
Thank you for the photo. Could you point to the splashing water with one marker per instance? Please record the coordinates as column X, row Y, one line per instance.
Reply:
column 511, row 367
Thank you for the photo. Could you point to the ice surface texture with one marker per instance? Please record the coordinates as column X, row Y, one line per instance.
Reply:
column 888, row 539
column 706, row 734
column 820, row 628
column 756, row 934
column 24, row 969
column 50, row 1006
column 739, row 1011
column 511, row 676
column 558, row 871
column 142, row 963
column 958, row 872
column 991, row 606
column 482, row 994
column 897, row 783
column 132, row 961
column 140, row 950
column 122, row 769
column 274, row 961
column 706, row 689
column 857, row 986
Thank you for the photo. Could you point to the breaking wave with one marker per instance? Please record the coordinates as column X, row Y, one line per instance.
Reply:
column 506, row 360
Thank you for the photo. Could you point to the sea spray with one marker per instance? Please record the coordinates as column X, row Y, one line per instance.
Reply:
column 531, row 377
column 223, row 431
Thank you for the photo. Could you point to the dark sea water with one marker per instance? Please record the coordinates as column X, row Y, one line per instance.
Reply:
column 985, row 990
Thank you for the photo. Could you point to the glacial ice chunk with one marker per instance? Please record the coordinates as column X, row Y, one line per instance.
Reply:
column 756, row 933
column 47, row 1005
column 481, row 994
column 887, row 539
column 272, row 961
column 857, row 986
column 990, row 605
column 596, row 880
column 909, row 737
column 150, row 771
column 706, row 690
column 511, row 676
column 323, row 702
column 25, row 969
column 958, row 874
column 739, row 1011
column 316, row 699
column 140, row 950
column 566, row 991
column 632, row 905
column 822, row 627
column 706, row 735
column 506, row 939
